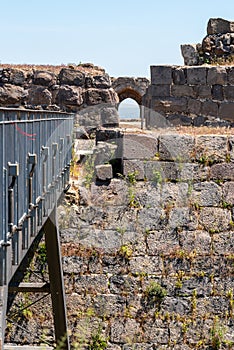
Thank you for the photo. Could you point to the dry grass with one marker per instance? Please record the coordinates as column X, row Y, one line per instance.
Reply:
column 87, row 68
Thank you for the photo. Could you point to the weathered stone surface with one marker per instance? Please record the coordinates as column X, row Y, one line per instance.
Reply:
column 215, row 219
column 134, row 166
column 178, row 217
column 39, row 96
column 12, row 95
column 211, row 148
column 202, row 91
column 217, row 92
column 69, row 97
column 178, row 75
column 104, row 172
column 125, row 331
column 161, row 171
column 224, row 171
column 197, row 240
column 44, row 78
column 228, row 92
column 196, row 75
column 182, row 90
column 99, row 96
column 147, row 265
column 226, row 111
column 161, row 75
column 228, row 192
column 161, row 90
column 176, row 147
column 139, row 146
column 194, row 106
column 230, row 77
column 190, row 54
column 71, row 77
column 109, row 116
column 209, row 108
column 206, row 194
column 115, row 193
column 173, row 104
column 17, row 76
column 102, row 81
column 177, row 119
column 219, row 25
column 231, row 147
column 217, row 75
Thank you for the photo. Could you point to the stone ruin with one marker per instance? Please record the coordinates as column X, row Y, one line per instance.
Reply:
column 216, row 47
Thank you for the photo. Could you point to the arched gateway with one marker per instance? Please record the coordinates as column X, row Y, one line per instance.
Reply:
column 134, row 88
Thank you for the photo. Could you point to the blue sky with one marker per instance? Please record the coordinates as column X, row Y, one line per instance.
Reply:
column 123, row 36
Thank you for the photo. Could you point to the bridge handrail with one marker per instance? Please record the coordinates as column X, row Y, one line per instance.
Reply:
column 35, row 154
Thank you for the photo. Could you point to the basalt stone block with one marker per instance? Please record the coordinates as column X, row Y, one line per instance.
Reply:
column 219, row 26
column 179, row 77
column 102, row 81
column 228, row 192
column 202, row 91
column 223, row 171
column 12, row 95
column 134, row 166
column 190, row 54
column 175, row 147
column 161, row 75
column 211, row 148
column 69, row 96
column 209, row 108
column 125, row 331
column 179, row 119
column 173, row 104
column 182, row 90
column 206, row 194
column 39, row 95
column 147, row 264
column 71, row 77
column 217, row 75
column 155, row 170
column 226, row 111
column 192, row 172
column 104, row 172
column 17, row 76
column 194, row 106
column 161, row 90
column 231, row 147
column 196, row 75
column 215, row 219
column 230, row 75
column 228, row 92
column 44, row 78
column 139, row 146
column 199, row 120
column 217, row 92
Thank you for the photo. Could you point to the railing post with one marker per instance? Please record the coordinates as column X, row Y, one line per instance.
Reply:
column 56, row 281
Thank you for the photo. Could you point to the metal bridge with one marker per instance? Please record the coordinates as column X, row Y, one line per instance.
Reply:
column 35, row 154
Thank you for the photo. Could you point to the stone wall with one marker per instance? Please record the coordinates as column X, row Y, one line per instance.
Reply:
column 148, row 257
column 190, row 95
column 76, row 89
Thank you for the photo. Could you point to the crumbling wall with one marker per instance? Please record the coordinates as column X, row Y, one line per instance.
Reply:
column 190, row 95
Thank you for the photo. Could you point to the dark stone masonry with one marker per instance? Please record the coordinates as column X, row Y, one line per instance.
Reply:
column 148, row 258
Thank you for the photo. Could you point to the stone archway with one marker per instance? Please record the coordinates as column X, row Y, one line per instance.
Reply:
column 134, row 88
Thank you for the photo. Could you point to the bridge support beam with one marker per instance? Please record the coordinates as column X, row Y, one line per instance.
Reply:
column 3, row 307
column 56, row 280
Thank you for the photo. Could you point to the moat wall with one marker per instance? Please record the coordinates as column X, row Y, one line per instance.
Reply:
column 148, row 259
column 190, row 95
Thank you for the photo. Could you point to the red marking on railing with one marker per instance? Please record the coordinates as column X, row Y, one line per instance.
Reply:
column 24, row 133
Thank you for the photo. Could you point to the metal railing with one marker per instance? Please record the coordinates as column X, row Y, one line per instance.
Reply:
column 35, row 154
